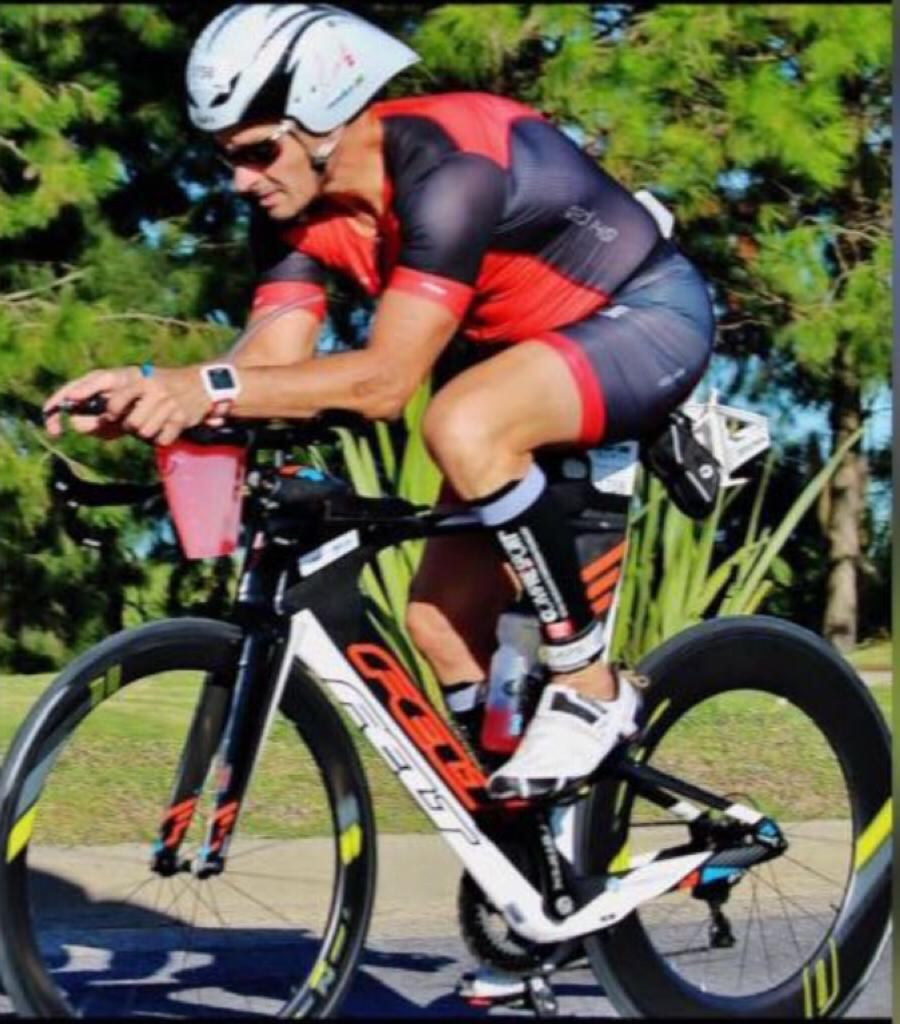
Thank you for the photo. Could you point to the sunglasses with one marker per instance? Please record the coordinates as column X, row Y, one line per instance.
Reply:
column 256, row 155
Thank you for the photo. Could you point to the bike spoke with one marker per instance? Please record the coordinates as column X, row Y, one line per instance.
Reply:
column 784, row 910
column 254, row 900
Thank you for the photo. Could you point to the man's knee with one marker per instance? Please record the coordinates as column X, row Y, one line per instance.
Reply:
column 458, row 435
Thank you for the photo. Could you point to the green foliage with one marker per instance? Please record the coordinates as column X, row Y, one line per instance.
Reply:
column 672, row 579
column 77, row 292
column 398, row 466
column 469, row 44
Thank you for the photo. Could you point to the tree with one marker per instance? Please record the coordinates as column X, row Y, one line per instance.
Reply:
column 767, row 128
column 79, row 286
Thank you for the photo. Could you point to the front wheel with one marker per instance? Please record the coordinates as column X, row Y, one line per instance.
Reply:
column 88, row 929
column 767, row 715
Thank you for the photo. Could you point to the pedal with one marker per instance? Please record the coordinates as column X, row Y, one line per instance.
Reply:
column 541, row 996
column 486, row 988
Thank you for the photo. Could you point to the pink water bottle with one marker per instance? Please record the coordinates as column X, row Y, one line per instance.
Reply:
column 519, row 638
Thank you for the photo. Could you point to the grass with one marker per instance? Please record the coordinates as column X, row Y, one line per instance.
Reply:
column 115, row 775
column 873, row 656
column 110, row 783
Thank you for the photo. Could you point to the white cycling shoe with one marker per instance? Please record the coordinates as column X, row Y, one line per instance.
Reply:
column 566, row 740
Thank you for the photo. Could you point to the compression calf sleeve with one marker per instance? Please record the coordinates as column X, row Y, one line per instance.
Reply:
column 530, row 528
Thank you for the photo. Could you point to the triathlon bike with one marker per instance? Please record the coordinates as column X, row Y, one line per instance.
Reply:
column 186, row 826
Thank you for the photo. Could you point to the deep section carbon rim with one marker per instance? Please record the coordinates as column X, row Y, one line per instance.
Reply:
column 770, row 718
column 87, row 929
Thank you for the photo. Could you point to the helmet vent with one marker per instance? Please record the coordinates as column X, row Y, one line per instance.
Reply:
column 224, row 97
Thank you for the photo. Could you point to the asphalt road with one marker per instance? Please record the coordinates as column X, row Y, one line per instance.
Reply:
column 413, row 959
column 415, row 978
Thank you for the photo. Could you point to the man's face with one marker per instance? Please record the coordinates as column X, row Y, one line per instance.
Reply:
column 273, row 169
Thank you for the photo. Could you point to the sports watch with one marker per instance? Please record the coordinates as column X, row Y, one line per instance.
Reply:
column 222, row 385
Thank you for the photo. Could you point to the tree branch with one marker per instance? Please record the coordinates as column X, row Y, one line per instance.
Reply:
column 172, row 321
column 24, row 296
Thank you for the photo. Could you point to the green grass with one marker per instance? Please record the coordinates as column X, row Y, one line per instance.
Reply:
column 110, row 783
column 873, row 656
column 115, row 776
column 757, row 746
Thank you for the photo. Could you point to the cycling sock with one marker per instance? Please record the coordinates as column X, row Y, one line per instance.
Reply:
column 465, row 702
column 527, row 521
column 462, row 697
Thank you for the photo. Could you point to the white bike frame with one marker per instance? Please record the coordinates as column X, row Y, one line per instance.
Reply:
column 613, row 471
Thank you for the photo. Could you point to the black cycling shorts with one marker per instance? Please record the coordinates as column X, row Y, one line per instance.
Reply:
column 639, row 357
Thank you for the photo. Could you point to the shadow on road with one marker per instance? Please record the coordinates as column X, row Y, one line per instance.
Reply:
column 114, row 959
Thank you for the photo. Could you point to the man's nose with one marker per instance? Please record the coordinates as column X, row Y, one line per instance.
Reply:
column 244, row 178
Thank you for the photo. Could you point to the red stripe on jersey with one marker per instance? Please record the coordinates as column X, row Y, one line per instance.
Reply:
column 593, row 406
column 452, row 295
column 517, row 296
column 330, row 239
column 477, row 122
column 280, row 293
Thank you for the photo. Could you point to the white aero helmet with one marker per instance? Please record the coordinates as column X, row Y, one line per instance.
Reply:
column 315, row 63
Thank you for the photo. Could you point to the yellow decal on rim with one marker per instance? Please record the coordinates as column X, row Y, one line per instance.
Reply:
column 874, row 834
column 20, row 834
column 106, row 686
column 315, row 975
column 350, row 843
column 621, row 861
column 338, row 944
column 662, row 707
column 322, row 976
column 819, row 990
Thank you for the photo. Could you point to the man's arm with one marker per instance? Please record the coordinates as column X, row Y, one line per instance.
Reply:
column 408, row 335
column 275, row 335
column 288, row 302
column 447, row 220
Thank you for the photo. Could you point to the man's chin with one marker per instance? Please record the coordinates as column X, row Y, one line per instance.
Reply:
column 283, row 210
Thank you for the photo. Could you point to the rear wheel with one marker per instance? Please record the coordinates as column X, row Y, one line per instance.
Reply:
column 765, row 714
column 87, row 929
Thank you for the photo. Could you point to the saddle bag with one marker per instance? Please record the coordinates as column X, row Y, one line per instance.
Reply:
column 690, row 472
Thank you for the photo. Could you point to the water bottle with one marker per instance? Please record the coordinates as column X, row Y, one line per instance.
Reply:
column 512, row 677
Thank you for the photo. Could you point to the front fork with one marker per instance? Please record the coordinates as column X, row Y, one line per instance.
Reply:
column 232, row 714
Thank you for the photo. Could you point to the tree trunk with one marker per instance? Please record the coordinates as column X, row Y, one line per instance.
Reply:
column 845, row 508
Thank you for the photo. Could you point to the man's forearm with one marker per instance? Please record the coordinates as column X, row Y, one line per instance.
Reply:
column 355, row 381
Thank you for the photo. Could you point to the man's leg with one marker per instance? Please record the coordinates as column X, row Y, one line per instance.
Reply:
column 459, row 590
column 482, row 429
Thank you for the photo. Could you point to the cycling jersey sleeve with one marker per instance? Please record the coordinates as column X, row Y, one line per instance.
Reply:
column 284, row 274
column 446, row 222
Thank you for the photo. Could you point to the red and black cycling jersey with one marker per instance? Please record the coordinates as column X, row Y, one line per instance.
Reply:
column 490, row 210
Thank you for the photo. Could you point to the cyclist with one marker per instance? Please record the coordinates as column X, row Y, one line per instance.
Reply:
column 468, row 216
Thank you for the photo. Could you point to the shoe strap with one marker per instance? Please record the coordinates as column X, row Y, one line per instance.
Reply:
column 561, row 701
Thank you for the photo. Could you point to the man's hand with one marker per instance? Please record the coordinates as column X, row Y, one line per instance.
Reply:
column 157, row 408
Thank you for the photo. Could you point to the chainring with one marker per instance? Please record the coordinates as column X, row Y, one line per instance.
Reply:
column 489, row 938
column 484, row 929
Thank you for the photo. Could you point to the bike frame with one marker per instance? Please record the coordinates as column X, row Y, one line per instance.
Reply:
column 319, row 623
